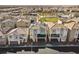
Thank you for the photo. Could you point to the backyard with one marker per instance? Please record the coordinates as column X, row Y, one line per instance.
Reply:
column 49, row 19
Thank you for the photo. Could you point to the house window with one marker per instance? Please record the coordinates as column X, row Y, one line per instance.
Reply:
column 53, row 30
column 42, row 30
column 16, row 37
column 41, row 35
column 35, row 31
column 62, row 31
column 10, row 36
column 55, row 35
column 21, row 37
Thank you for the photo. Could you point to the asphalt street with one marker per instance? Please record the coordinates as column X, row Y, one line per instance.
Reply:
column 43, row 51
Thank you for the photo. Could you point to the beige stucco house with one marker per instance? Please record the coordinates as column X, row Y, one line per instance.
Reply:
column 38, row 32
column 17, row 36
column 58, row 33
column 74, row 35
column 70, row 25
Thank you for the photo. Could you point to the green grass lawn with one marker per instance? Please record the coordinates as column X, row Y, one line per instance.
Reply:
column 49, row 19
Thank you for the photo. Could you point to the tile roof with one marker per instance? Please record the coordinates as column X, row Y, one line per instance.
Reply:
column 58, row 26
column 69, row 25
column 7, row 20
column 50, row 24
column 76, row 26
column 19, row 31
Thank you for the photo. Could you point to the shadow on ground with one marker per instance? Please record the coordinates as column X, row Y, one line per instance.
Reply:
column 60, row 49
column 67, row 49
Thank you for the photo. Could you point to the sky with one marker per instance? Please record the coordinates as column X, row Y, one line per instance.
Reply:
column 39, row 2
